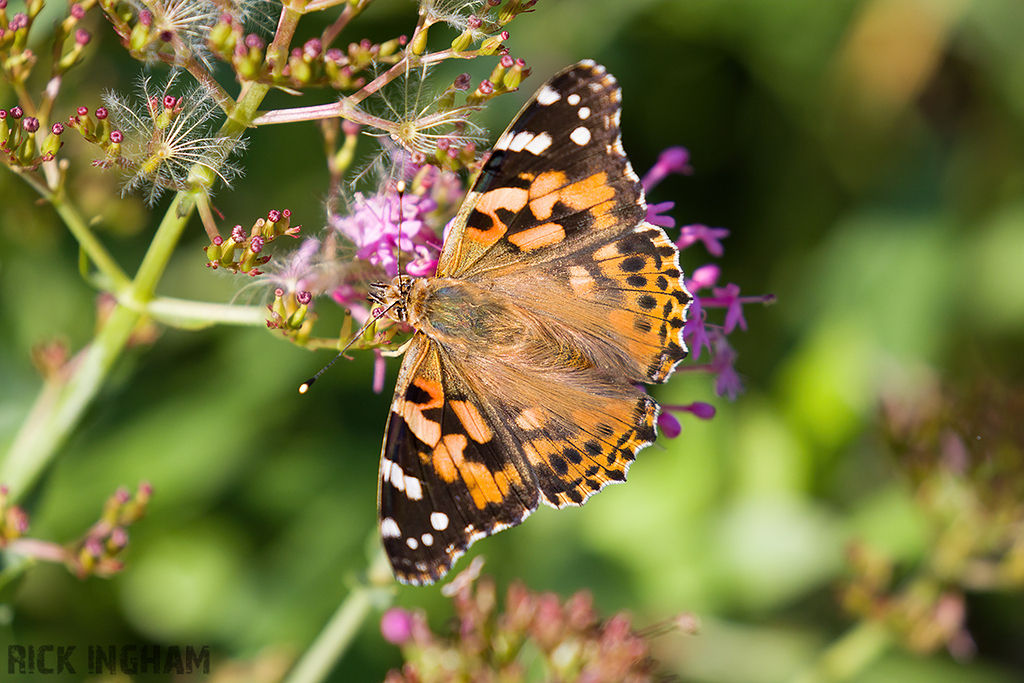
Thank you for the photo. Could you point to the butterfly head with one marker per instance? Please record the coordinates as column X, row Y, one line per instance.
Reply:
column 393, row 297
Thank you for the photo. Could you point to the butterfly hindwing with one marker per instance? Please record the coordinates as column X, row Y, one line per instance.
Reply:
column 578, row 426
column 446, row 476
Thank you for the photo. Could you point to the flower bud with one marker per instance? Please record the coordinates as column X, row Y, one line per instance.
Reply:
column 493, row 44
column 140, row 36
column 419, row 42
column 515, row 75
column 463, row 41
column 53, row 142
column 222, row 36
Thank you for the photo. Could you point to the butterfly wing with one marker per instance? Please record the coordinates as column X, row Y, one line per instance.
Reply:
column 557, row 176
column 449, row 473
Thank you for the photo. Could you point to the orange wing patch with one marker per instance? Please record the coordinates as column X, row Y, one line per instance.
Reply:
column 485, row 486
column 469, row 416
column 543, row 235
column 507, row 198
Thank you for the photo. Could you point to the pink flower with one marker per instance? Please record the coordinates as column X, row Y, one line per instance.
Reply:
column 672, row 160
column 704, row 277
column 654, row 216
column 690, row 234
column 379, row 370
column 396, row 626
column 382, row 225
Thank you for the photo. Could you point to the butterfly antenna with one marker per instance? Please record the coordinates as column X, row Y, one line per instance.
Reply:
column 400, row 186
column 304, row 387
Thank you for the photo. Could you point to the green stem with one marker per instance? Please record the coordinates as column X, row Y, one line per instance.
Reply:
column 849, row 655
column 87, row 240
column 197, row 315
column 332, row 642
column 60, row 405
column 160, row 249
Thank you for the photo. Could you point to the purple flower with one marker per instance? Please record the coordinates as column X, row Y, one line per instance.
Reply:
column 729, row 296
column 376, row 224
column 694, row 331
column 728, row 382
column 672, row 160
column 655, row 217
column 704, row 411
column 702, row 233
column 669, row 425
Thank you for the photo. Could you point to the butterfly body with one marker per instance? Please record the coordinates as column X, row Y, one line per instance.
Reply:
column 553, row 298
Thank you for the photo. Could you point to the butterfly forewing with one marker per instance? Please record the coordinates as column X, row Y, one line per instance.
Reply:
column 556, row 179
column 553, row 299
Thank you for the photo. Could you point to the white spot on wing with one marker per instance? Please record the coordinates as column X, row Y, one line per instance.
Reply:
column 539, row 144
column 573, row 99
column 428, row 539
column 412, row 543
column 548, row 95
column 520, row 141
column 413, row 489
column 389, row 528
column 439, row 520
column 397, row 477
column 385, row 469
column 503, row 141
column 580, row 136
column 583, row 112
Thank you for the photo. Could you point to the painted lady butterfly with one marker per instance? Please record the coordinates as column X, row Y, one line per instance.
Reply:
column 553, row 298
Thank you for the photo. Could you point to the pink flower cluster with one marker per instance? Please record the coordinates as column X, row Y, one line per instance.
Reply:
column 699, row 334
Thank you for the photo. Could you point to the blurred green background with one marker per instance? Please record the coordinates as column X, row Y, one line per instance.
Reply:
column 868, row 157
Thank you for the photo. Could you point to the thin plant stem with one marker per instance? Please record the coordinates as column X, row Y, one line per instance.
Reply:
column 332, row 31
column 185, row 314
column 322, row 656
column 60, row 404
column 849, row 655
column 86, row 238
